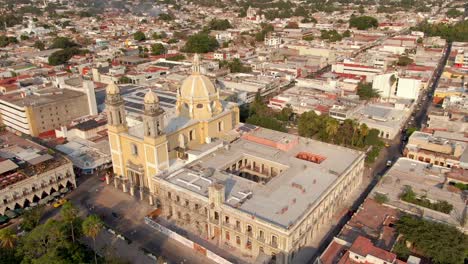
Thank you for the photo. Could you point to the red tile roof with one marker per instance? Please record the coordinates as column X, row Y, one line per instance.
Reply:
column 363, row 247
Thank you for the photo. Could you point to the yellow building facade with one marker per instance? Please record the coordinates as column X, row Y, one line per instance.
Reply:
column 141, row 152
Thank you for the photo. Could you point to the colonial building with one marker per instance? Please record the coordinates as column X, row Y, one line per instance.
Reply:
column 30, row 174
column 259, row 192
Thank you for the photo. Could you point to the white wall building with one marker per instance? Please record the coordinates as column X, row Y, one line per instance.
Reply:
column 408, row 88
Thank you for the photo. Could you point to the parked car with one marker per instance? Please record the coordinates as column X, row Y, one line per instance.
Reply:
column 59, row 203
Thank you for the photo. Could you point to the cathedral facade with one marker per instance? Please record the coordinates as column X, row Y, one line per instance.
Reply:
column 140, row 152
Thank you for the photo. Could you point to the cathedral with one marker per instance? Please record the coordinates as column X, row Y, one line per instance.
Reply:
column 140, row 152
column 261, row 195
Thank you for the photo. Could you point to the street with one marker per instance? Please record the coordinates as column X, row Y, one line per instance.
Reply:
column 120, row 214
column 394, row 151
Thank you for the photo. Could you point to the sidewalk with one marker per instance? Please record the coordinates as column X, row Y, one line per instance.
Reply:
column 109, row 244
column 125, row 215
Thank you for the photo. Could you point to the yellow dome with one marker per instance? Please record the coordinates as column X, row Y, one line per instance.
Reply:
column 151, row 97
column 112, row 88
column 197, row 86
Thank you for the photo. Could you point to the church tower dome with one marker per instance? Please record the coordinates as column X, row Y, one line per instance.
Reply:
column 198, row 97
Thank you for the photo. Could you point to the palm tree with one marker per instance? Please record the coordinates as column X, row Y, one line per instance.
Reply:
column 7, row 238
column 332, row 127
column 363, row 132
column 69, row 214
column 92, row 226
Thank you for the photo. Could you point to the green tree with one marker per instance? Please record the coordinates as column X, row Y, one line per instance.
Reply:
column 404, row 61
column 439, row 242
column 201, row 43
column 158, row 49
column 157, row 35
column 453, row 13
column 237, row 66
column 92, row 226
column 380, row 198
column 363, row 22
column 166, row 17
column 366, row 92
column 70, row 214
column 331, row 35
column 308, row 37
column 63, row 56
column 5, row 41
column 43, row 243
column 178, row 57
column 219, row 24
column 346, row 34
column 31, row 218
column 332, row 128
column 39, row 45
column 63, row 43
column 139, row 36
column 7, row 238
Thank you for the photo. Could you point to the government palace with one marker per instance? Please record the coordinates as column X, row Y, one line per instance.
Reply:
column 263, row 193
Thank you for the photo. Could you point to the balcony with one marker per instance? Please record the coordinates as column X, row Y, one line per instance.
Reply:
column 274, row 244
column 261, row 239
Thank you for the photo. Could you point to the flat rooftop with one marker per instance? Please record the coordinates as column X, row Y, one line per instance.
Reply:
column 41, row 97
column 424, row 179
column 285, row 197
column 21, row 158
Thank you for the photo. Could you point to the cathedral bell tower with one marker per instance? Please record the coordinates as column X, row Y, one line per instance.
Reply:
column 115, row 109
column 153, row 117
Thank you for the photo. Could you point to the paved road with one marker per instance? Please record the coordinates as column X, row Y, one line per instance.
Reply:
column 378, row 169
column 125, row 215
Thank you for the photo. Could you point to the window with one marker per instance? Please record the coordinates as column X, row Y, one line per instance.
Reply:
column 220, row 126
column 228, row 237
column 274, row 241
column 199, row 105
column 261, row 234
column 226, row 219
column 187, row 203
column 238, row 224
column 238, row 240
column 134, row 149
column 191, row 135
column 216, row 215
column 178, row 198
column 169, row 195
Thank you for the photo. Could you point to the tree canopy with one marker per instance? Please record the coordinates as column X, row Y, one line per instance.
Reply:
column 363, row 22
column 5, row 41
column 236, row 66
column 453, row 13
column 450, row 32
column 404, row 61
column 439, row 242
column 63, row 56
column 139, row 36
column 201, row 43
column 366, row 92
column 63, row 43
column 219, row 24
column 158, row 49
